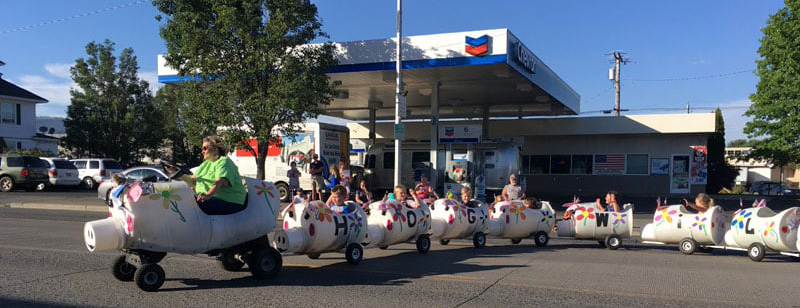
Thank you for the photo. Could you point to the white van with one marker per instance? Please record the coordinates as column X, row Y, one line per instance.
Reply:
column 330, row 141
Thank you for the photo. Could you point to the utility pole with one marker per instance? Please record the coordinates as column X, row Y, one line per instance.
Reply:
column 617, row 64
column 613, row 74
column 399, row 99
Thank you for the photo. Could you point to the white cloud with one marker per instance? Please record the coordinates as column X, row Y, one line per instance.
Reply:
column 53, row 91
column 59, row 70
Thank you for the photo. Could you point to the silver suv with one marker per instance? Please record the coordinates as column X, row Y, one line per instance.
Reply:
column 92, row 170
column 62, row 172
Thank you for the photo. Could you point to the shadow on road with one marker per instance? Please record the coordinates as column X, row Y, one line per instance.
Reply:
column 390, row 270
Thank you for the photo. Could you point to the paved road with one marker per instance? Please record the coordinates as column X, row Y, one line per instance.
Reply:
column 43, row 264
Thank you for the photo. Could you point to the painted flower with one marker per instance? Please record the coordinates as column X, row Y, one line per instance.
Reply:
column 356, row 222
column 166, row 194
column 266, row 189
column 519, row 211
column 738, row 221
column 700, row 223
column 424, row 220
column 168, row 199
column 546, row 217
column 323, row 212
column 619, row 218
column 665, row 216
column 457, row 207
column 585, row 214
column 771, row 230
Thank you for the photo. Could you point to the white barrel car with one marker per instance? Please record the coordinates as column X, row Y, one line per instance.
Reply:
column 674, row 224
column 514, row 220
column 390, row 222
column 451, row 219
column 155, row 219
column 759, row 229
column 589, row 222
column 313, row 228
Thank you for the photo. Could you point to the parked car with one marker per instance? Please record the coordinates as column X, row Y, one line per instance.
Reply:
column 92, row 170
column 142, row 173
column 22, row 171
column 773, row 188
column 62, row 172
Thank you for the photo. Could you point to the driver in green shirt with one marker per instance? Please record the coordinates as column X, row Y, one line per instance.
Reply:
column 216, row 181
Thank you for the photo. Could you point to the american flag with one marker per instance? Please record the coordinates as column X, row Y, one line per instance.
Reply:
column 609, row 164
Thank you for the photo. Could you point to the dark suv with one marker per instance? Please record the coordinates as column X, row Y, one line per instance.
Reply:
column 22, row 171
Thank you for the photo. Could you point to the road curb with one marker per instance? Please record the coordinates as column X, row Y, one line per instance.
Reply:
column 50, row 206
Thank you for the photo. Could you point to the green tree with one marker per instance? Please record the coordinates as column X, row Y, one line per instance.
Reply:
column 111, row 112
column 720, row 173
column 253, row 74
column 775, row 110
column 170, row 101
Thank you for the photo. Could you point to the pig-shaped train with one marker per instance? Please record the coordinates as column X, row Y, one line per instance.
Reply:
column 451, row 219
column 675, row 224
column 514, row 220
column 313, row 228
column 155, row 219
column 393, row 222
column 590, row 222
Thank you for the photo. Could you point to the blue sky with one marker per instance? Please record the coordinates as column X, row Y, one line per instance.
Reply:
column 683, row 51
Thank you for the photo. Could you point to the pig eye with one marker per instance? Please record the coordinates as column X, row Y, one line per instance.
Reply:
column 306, row 216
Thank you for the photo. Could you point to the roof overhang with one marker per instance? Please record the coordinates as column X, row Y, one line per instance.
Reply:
column 504, row 79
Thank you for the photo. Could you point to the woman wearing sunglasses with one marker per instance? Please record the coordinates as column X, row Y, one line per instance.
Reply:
column 216, row 181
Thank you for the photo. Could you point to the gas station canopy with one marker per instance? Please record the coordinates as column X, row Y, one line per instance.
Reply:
column 478, row 73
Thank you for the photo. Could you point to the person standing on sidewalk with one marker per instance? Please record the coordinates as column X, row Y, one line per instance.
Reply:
column 317, row 181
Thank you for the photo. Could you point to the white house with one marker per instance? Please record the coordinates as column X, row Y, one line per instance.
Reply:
column 18, row 119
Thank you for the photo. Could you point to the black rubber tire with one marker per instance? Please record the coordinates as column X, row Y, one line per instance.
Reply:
column 479, row 240
column 88, row 183
column 756, row 252
column 284, row 192
column 149, row 277
column 7, row 184
column 354, row 253
column 541, row 239
column 265, row 263
column 423, row 243
column 687, row 246
column 444, row 241
column 229, row 262
column 613, row 242
column 122, row 270
column 516, row 241
column 314, row 255
column 602, row 244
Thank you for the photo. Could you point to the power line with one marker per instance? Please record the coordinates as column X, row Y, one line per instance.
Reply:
column 695, row 77
column 73, row 17
column 673, row 108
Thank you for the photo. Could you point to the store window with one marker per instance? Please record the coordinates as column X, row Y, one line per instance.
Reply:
column 581, row 164
column 540, row 164
column 560, row 164
column 637, row 163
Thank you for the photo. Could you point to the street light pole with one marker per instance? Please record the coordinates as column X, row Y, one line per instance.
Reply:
column 398, row 96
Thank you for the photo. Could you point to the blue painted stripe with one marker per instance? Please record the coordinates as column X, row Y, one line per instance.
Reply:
column 386, row 66
column 477, row 41
column 459, row 140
